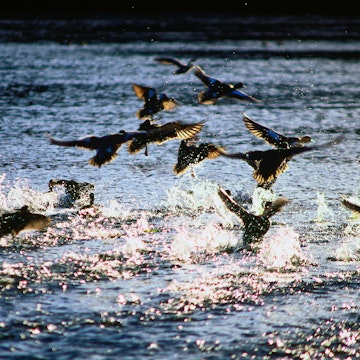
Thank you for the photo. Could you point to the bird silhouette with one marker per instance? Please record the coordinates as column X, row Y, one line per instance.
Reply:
column 22, row 220
column 272, row 137
column 107, row 146
column 269, row 164
column 191, row 154
column 217, row 89
column 182, row 67
column 158, row 134
column 254, row 226
column 82, row 192
column 153, row 103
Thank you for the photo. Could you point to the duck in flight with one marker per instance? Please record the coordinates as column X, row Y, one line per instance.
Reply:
column 254, row 226
column 217, row 89
column 153, row 103
column 269, row 164
column 272, row 137
column 191, row 154
column 107, row 146
column 181, row 67
column 158, row 134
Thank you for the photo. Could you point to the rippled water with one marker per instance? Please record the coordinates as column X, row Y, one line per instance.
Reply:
column 152, row 272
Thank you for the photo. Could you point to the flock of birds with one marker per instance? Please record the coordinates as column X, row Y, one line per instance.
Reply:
column 266, row 165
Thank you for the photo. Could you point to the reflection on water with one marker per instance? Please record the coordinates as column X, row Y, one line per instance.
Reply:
column 156, row 267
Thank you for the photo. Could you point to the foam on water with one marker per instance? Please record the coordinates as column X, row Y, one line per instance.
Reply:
column 323, row 213
column 14, row 196
column 191, row 245
column 281, row 249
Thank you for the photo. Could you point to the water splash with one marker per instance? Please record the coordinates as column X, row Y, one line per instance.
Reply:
column 323, row 212
column 260, row 197
column 196, row 197
column 282, row 249
column 20, row 193
column 116, row 210
column 348, row 251
column 191, row 245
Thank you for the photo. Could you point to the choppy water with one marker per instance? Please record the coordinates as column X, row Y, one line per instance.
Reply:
column 153, row 274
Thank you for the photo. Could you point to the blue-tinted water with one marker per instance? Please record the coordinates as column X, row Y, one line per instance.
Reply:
column 152, row 273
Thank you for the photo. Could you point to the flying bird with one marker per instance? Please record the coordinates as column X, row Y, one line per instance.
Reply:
column 217, row 89
column 191, row 154
column 158, row 134
column 182, row 67
column 153, row 103
column 107, row 146
column 254, row 226
column 272, row 137
column 269, row 164
column 22, row 220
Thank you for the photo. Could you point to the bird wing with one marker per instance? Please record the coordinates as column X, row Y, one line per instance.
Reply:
column 275, row 207
column 189, row 155
column 268, row 135
column 351, row 206
column 207, row 80
column 163, row 133
column 234, row 207
column 174, row 130
column 169, row 61
column 169, row 104
column 142, row 91
column 88, row 142
column 240, row 95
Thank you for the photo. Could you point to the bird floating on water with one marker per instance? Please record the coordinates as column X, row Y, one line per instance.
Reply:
column 272, row 137
column 22, row 220
column 217, row 89
column 254, row 226
column 107, row 146
column 182, row 67
column 153, row 103
column 191, row 154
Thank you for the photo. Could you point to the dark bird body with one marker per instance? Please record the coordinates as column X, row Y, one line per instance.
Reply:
column 255, row 226
column 217, row 89
column 152, row 102
column 107, row 146
column 22, row 220
column 158, row 134
column 191, row 154
column 272, row 137
column 181, row 67
column 82, row 192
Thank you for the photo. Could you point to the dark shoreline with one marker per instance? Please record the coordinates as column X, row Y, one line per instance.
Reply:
column 192, row 27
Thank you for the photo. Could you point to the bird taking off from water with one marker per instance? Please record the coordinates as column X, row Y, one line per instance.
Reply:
column 254, row 226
